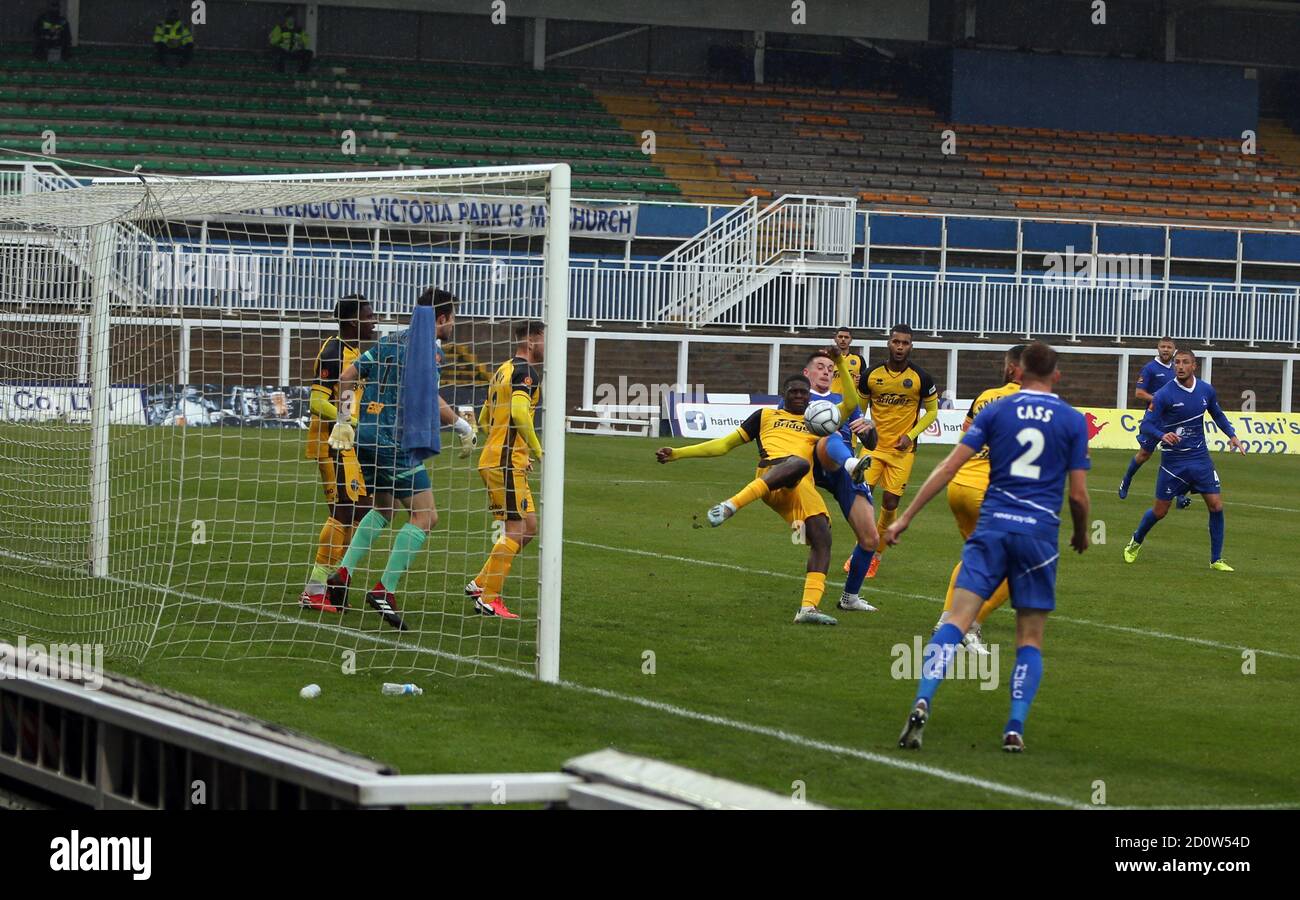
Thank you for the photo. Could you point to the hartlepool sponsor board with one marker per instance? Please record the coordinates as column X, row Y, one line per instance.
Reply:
column 718, row 415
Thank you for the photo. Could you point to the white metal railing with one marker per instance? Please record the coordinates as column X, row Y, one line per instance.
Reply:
column 152, row 276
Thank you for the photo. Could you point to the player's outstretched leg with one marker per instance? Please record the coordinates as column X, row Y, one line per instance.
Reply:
column 757, row 489
column 785, row 474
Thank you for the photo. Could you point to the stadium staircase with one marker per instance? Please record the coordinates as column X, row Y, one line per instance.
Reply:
column 228, row 114
column 738, row 254
column 888, row 152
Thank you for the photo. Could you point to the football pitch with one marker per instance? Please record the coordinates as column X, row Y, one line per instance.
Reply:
column 1165, row 683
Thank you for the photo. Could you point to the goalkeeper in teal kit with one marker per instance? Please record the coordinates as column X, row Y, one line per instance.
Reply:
column 397, row 431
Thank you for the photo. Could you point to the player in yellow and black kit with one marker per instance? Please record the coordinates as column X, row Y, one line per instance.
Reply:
column 857, row 366
column 895, row 394
column 340, row 474
column 784, row 479
column 506, row 460
column 966, row 495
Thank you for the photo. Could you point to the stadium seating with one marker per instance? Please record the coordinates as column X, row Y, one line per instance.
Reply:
column 227, row 114
column 769, row 140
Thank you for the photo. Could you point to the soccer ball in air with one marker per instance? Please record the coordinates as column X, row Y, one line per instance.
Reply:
column 822, row 417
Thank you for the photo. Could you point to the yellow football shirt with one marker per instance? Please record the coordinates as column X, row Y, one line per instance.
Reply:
column 505, row 446
column 895, row 400
column 974, row 472
column 334, row 357
column 779, row 434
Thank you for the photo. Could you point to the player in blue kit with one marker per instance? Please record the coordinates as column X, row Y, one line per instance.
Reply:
column 1154, row 375
column 837, row 471
column 1035, row 441
column 1176, row 420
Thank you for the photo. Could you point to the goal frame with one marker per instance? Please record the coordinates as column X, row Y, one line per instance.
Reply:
column 554, row 315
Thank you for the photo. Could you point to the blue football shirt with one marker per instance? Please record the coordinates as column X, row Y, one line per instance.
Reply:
column 1182, row 410
column 1034, row 440
column 1155, row 375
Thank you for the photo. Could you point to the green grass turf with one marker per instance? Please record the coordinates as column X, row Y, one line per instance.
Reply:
column 1143, row 688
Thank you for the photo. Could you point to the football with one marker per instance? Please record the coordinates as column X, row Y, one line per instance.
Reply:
column 822, row 417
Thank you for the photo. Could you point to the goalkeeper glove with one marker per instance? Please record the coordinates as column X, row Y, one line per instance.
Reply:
column 341, row 436
column 466, row 437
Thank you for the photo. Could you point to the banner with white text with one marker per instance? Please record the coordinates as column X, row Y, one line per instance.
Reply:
column 453, row 213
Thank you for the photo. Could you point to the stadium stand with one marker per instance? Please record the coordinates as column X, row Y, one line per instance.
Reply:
column 224, row 115
column 716, row 142
column 768, row 140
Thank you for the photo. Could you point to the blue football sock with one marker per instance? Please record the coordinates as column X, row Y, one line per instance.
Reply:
column 838, row 450
column 859, row 562
column 1216, row 536
column 1026, row 675
column 1133, row 466
column 1149, row 521
column 935, row 658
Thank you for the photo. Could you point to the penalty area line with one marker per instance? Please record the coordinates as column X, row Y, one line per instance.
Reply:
column 680, row 712
column 1143, row 632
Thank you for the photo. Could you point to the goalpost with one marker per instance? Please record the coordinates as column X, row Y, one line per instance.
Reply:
column 162, row 481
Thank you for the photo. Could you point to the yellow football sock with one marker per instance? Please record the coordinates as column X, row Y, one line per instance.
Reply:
column 1000, row 596
column 755, row 490
column 492, row 577
column 952, row 583
column 814, row 585
column 886, row 519
column 332, row 544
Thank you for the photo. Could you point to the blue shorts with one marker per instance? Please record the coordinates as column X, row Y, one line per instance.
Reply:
column 385, row 470
column 1027, row 563
column 841, row 486
column 1148, row 443
column 1182, row 476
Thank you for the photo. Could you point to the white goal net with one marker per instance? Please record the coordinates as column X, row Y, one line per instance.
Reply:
column 173, row 354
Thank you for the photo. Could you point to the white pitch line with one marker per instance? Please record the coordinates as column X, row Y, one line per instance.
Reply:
column 1163, row 635
column 1105, row 491
column 1260, row 506
column 646, row 703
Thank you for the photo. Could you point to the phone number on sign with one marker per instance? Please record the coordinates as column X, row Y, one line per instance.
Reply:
column 1252, row 446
